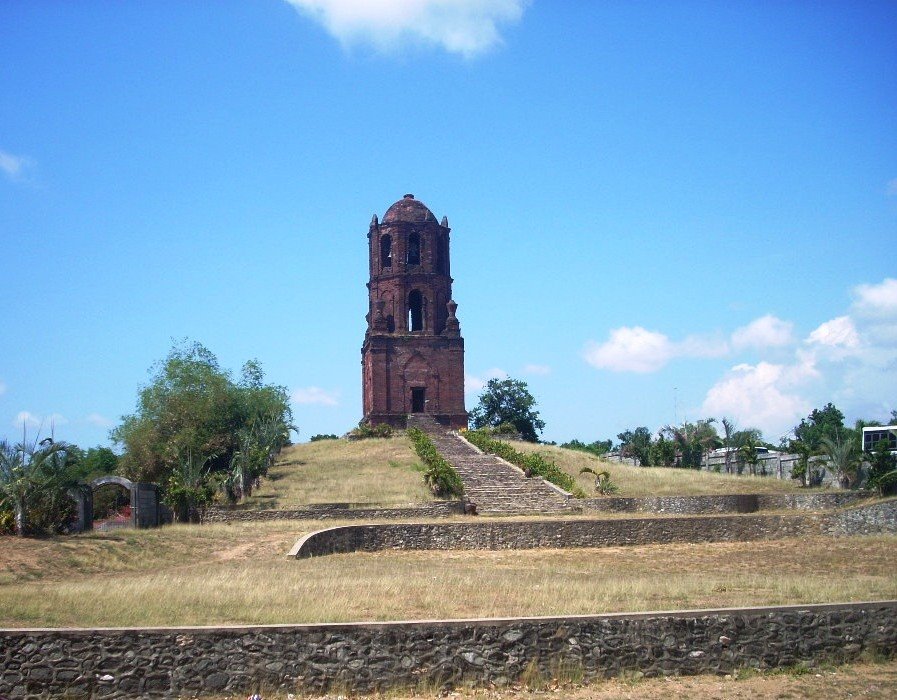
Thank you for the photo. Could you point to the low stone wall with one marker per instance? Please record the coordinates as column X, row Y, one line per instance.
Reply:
column 873, row 519
column 561, row 534
column 565, row 534
column 735, row 503
column 337, row 511
column 186, row 661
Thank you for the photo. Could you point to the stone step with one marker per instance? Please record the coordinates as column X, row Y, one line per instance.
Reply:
column 496, row 487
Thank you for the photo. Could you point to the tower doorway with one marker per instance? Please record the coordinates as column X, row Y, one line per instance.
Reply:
column 418, row 399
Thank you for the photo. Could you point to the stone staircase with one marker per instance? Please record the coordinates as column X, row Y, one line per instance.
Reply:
column 493, row 485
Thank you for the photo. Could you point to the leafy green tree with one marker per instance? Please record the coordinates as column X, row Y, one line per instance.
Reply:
column 883, row 469
column 193, row 406
column 636, row 444
column 663, row 452
column 599, row 448
column 821, row 423
column 508, row 401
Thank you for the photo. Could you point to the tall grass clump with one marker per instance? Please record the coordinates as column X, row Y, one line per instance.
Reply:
column 440, row 476
column 533, row 463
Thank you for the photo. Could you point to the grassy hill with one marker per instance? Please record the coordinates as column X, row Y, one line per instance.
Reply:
column 382, row 471
column 387, row 471
column 656, row 481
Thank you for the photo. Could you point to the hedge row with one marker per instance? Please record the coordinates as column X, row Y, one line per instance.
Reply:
column 532, row 463
column 440, row 476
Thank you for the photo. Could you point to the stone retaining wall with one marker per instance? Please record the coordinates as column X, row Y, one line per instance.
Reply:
column 735, row 503
column 336, row 511
column 531, row 534
column 186, row 661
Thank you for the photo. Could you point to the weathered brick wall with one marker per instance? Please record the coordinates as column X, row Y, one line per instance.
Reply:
column 174, row 662
column 336, row 511
column 880, row 517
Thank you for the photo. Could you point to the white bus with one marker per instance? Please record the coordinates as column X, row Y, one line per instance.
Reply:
column 876, row 433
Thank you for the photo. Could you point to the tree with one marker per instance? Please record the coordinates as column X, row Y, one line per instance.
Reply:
column 34, row 479
column 193, row 406
column 663, row 452
column 692, row 440
column 825, row 422
column 883, row 468
column 190, row 488
column 844, row 458
column 508, row 401
column 729, row 429
column 636, row 444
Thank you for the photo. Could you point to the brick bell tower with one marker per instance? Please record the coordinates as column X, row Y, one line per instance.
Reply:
column 413, row 354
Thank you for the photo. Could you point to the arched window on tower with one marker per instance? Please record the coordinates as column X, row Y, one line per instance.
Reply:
column 415, row 311
column 413, row 256
column 386, row 251
column 442, row 255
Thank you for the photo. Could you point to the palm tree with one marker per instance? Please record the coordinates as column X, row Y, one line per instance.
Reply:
column 31, row 471
column 844, row 458
column 728, row 435
column 693, row 439
column 603, row 484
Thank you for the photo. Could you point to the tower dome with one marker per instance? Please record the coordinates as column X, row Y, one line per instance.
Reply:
column 410, row 210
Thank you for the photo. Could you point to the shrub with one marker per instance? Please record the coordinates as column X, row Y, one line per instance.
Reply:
column 440, row 476
column 532, row 463
column 323, row 436
column 365, row 431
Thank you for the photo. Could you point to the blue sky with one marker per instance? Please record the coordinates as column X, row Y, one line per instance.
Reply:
column 660, row 211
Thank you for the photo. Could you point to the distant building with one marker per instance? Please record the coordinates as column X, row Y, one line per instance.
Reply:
column 413, row 353
column 876, row 433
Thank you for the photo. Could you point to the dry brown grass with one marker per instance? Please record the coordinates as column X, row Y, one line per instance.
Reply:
column 656, row 481
column 238, row 574
column 874, row 681
column 384, row 471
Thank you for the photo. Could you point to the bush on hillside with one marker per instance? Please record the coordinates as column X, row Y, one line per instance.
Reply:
column 440, row 476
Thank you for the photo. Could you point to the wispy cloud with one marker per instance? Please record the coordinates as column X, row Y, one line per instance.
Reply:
column 465, row 27
column 99, row 421
column 27, row 419
column 314, row 395
column 475, row 383
column 15, row 168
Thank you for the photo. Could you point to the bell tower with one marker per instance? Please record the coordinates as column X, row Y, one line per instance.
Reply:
column 413, row 354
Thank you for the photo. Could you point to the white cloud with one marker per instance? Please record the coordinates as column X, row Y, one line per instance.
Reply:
column 765, row 332
column 314, row 395
column 26, row 419
column 759, row 396
column 876, row 300
column 465, row 27
column 99, row 421
column 632, row 349
column 15, row 167
column 636, row 349
column 537, row 369
column 839, row 332
column 473, row 384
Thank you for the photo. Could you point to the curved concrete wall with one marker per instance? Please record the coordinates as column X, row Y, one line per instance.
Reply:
column 187, row 661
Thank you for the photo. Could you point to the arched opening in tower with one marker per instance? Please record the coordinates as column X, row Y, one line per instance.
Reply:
column 386, row 251
column 413, row 257
column 415, row 311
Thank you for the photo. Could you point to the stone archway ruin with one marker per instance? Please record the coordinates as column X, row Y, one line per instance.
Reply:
column 146, row 509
